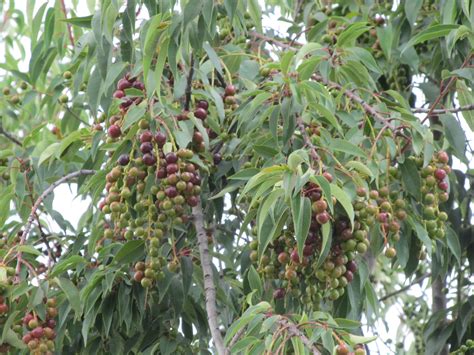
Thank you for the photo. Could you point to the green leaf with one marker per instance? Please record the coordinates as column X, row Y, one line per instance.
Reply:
column 129, row 252
column 246, row 318
column 12, row 338
column 296, row 158
column 84, row 21
column 361, row 168
column 343, row 198
column 191, row 11
column 411, row 179
column 254, row 280
column 326, row 243
column 305, row 50
column 351, row 33
column 286, row 61
column 385, row 35
column 412, row 8
column 29, row 249
column 213, row 57
column 432, row 32
column 72, row 294
column 357, row 339
column 255, row 13
column 274, row 227
column 452, row 240
column 301, row 212
column 455, row 135
column 422, row 234
column 7, row 325
column 326, row 189
column 465, row 98
column 155, row 29
column 67, row 264
column 134, row 114
column 347, row 147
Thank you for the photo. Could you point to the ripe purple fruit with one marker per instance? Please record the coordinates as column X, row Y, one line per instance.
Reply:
column 123, row 160
column 171, row 191
column 118, row 94
column 146, row 136
column 229, row 90
column 114, row 131
column 203, row 104
column 160, row 139
column 149, row 159
column 171, row 158
column 200, row 113
column 123, row 84
column 323, row 217
column 146, row 147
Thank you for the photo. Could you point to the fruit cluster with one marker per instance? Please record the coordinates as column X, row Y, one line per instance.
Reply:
column 151, row 188
column 434, row 190
column 40, row 335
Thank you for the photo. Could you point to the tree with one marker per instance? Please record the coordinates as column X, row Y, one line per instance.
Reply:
column 250, row 192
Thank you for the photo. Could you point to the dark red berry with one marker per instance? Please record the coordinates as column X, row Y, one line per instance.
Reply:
column 146, row 136
column 123, row 84
column 229, row 90
column 171, row 158
column 139, row 85
column 27, row 338
column 443, row 157
column 123, row 160
column 328, row 176
column 323, row 217
column 37, row 332
column 349, row 276
column 200, row 113
column 114, row 131
column 161, row 173
column 51, row 323
column 149, row 159
column 146, row 147
column 279, row 293
column 197, row 137
column 172, row 168
column 192, row 201
column 443, row 185
column 160, row 138
column 3, row 308
column 351, row 266
column 171, row 191
column 217, row 158
column 203, row 104
column 294, row 256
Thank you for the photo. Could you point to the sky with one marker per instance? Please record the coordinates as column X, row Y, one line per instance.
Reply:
column 72, row 207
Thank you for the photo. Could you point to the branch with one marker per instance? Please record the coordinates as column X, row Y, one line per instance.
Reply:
column 63, row 7
column 189, row 84
column 294, row 331
column 444, row 91
column 441, row 111
column 10, row 137
column 273, row 40
column 370, row 110
column 209, row 287
column 403, row 289
column 35, row 207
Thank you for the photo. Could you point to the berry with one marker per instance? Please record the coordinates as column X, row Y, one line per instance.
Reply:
column 27, row 338
column 171, row 158
column 146, row 147
column 124, row 159
column 160, row 139
column 443, row 185
column 342, row 349
column 33, row 323
column 323, row 217
column 295, row 257
column 118, row 94
column 320, row 206
column 149, row 159
column 37, row 332
column 139, row 85
column 443, row 157
column 328, row 176
column 3, row 308
column 197, row 137
column 67, row 75
column 123, row 84
column 390, row 252
column 217, row 158
column 279, row 293
column 229, row 90
column 440, row 174
column 283, row 258
column 146, row 136
column 146, row 282
column 63, row 98
column 114, row 131
column 171, row 191
column 203, row 104
column 200, row 113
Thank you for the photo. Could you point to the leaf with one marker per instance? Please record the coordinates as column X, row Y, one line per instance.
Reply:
column 67, row 264
column 365, row 58
column 276, row 225
column 305, row 50
column 412, row 8
column 213, row 57
column 29, row 249
column 12, row 338
column 255, row 13
column 129, row 252
column 326, row 244
column 357, row 339
column 72, row 294
column 296, row 158
column 326, row 189
column 7, row 325
column 134, row 114
column 286, row 61
column 84, row 21
column 245, row 319
column 50, row 151
column 342, row 197
column 254, row 280
column 347, row 147
column 191, row 11
column 361, row 168
column 452, row 240
column 411, row 179
column 385, row 35
column 155, row 29
column 455, row 135
column 465, row 98
column 301, row 212
column 350, row 34
column 422, row 234
column 432, row 32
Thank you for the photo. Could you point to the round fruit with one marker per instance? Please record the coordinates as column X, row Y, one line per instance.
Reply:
column 118, row 94
column 279, row 293
column 200, row 113
column 320, row 206
column 390, row 252
column 171, row 158
column 323, row 217
column 146, row 136
column 114, row 131
column 440, row 174
column 342, row 349
column 145, row 282
column 160, row 139
column 203, row 104
column 443, row 185
column 123, row 84
column 37, row 332
column 229, row 90
column 146, row 147
column 63, row 98
column 149, row 159
column 67, row 75
column 443, row 157
column 124, row 159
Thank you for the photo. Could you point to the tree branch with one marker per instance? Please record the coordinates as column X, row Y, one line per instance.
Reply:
column 69, row 29
column 446, row 110
column 403, row 289
column 39, row 200
column 10, row 137
column 209, row 287
column 439, row 304
column 294, row 331
column 189, row 84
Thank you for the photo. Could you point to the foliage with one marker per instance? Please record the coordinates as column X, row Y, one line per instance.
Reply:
column 249, row 191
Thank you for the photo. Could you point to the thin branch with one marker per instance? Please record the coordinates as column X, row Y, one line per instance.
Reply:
column 446, row 110
column 403, row 289
column 273, row 40
column 209, row 287
column 31, row 218
column 220, row 78
column 10, row 137
column 445, row 90
column 294, row 331
column 370, row 110
column 69, row 29
column 189, row 84
column 236, row 337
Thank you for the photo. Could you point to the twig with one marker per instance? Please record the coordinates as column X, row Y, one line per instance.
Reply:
column 10, row 137
column 63, row 7
column 209, row 287
column 220, row 78
column 446, row 110
column 273, row 40
column 446, row 89
column 189, row 84
column 27, row 228
column 370, row 110
column 403, row 289
column 235, row 338
column 294, row 331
